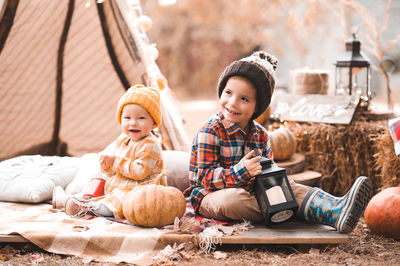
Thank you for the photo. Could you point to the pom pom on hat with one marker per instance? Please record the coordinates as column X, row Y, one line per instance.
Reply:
column 147, row 97
column 259, row 69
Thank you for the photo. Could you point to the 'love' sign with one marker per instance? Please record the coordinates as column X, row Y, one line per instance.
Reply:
column 314, row 108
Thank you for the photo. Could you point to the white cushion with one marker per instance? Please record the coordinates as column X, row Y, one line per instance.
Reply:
column 31, row 178
column 176, row 163
column 89, row 167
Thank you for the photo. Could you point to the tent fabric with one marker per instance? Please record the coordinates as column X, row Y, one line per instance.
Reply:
column 63, row 67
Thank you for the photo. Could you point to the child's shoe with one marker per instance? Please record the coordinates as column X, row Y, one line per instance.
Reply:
column 342, row 213
column 59, row 198
column 80, row 207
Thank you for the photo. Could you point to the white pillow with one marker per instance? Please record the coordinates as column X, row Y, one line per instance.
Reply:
column 31, row 178
column 177, row 165
column 89, row 167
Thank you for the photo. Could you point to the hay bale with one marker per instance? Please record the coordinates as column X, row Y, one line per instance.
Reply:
column 310, row 81
column 387, row 163
column 341, row 153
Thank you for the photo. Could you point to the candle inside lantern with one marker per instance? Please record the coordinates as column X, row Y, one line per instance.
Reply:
column 275, row 195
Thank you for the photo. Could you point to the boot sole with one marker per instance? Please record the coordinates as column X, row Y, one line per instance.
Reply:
column 359, row 195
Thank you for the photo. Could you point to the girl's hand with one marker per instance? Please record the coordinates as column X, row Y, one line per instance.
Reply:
column 252, row 164
column 106, row 161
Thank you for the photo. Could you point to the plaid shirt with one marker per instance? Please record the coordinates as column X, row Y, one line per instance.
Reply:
column 394, row 127
column 216, row 153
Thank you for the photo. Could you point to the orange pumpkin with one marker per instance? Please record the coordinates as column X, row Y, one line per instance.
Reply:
column 154, row 205
column 382, row 214
column 283, row 143
column 264, row 116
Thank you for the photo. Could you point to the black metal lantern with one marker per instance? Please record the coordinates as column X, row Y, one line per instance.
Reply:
column 274, row 194
column 353, row 73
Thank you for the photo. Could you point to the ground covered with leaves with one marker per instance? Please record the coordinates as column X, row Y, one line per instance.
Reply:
column 363, row 249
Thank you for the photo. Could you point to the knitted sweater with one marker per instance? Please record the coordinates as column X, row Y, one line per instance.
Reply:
column 136, row 163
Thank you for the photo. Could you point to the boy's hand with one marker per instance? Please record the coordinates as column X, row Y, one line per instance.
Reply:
column 252, row 164
column 106, row 161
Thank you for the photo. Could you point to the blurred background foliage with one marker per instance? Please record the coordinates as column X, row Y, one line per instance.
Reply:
column 197, row 39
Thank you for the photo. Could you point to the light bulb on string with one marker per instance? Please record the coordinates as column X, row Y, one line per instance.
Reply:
column 144, row 23
column 166, row 2
column 133, row 2
column 153, row 51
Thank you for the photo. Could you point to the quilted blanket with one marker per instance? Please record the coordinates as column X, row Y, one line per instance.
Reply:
column 91, row 239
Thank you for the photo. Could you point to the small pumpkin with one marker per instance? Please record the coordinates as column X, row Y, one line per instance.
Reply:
column 262, row 119
column 153, row 205
column 382, row 214
column 283, row 143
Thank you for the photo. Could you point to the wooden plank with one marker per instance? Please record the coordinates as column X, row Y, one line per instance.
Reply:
column 295, row 164
column 308, row 178
column 313, row 108
column 12, row 239
column 290, row 233
column 286, row 233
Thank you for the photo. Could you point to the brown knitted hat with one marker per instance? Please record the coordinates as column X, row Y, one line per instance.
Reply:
column 147, row 97
column 259, row 69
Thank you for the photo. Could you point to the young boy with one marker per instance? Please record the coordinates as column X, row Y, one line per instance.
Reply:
column 133, row 159
column 227, row 149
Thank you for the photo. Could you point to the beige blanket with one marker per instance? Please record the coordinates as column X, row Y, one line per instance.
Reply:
column 94, row 239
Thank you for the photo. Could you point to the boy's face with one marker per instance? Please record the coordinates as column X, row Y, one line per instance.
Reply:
column 238, row 101
column 136, row 122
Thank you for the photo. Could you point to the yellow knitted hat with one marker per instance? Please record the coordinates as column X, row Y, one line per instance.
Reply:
column 147, row 97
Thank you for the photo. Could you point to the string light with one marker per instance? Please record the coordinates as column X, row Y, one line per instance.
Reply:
column 153, row 51
column 166, row 2
column 144, row 23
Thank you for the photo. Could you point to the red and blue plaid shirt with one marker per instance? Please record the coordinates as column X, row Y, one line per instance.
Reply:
column 217, row 150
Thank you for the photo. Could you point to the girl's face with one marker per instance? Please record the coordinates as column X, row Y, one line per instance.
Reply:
column 136, row 122
column 238, row 101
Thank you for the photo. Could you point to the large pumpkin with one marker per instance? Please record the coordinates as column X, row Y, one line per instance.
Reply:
column 153, row 205
column 382, row 214
column 283, row 143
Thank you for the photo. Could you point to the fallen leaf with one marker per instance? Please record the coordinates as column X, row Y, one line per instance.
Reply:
column 189, row 246
column 184, row 255
column 6, row 250
column 227, row 230
column 180, row 247
column 87, row 260
column 36, row 258
column 220, row 255
column 176, row 223
column 314, row 251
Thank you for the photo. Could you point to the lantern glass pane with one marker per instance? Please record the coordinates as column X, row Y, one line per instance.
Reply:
column 360, row 81
column 271, row 183
column 286, row 190
column 343, row 81
column 261, row 201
